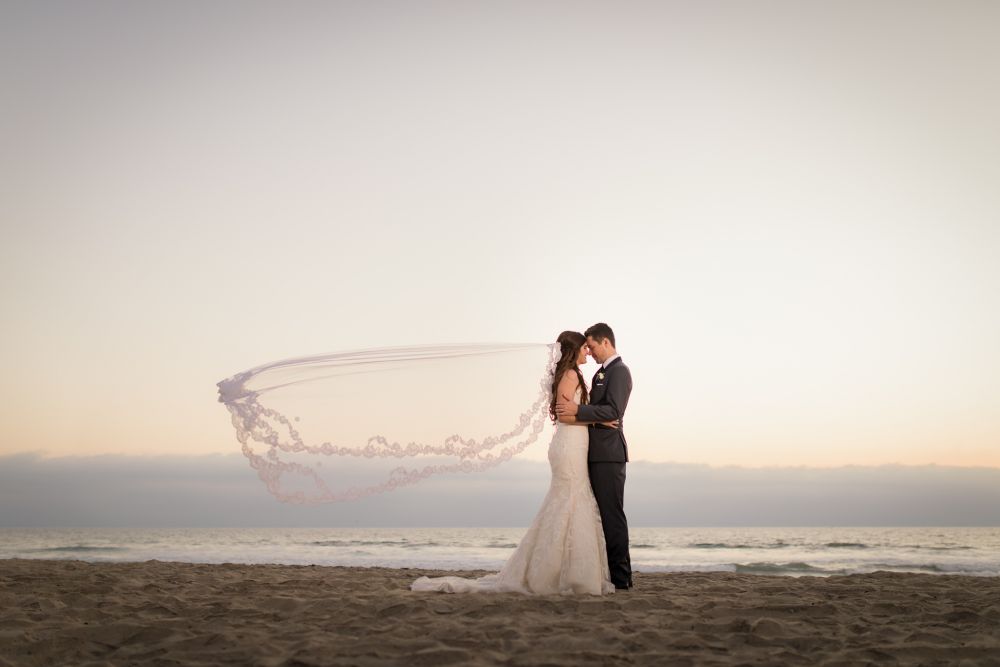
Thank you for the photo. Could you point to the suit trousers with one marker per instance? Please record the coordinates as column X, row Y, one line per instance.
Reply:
column 607, row 479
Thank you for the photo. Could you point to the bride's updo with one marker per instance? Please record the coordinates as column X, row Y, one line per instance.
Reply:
column 570, row 343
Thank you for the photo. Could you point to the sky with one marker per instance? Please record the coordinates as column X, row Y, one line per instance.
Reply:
column 787, row 211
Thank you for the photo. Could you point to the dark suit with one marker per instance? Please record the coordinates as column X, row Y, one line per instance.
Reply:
column 606, row 458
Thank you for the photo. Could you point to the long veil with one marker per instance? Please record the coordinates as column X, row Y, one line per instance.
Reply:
column 333, row 427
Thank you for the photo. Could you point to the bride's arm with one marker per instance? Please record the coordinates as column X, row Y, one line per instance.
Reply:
column 566, row 419
column 567, row 387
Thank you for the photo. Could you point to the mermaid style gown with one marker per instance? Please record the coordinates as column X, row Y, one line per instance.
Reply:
column 563, row 551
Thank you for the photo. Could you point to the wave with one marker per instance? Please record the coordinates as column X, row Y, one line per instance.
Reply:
column 986, row 568
column 827, row 545
column 928, row 548
column 377, row 543
column 923, row 567
column 781, row 568
column 981, row 568
column 725, row 545
column 862, row 545
column 684, row 567
column 410, row 545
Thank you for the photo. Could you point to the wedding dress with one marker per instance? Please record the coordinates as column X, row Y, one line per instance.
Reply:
column 563, row 551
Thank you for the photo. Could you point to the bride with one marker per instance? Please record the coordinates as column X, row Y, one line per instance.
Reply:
column 563, row 551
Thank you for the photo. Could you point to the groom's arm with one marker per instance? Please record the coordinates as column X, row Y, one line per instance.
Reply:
column 615, row 400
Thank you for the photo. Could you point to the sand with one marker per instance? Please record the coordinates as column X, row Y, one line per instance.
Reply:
column 161, row 613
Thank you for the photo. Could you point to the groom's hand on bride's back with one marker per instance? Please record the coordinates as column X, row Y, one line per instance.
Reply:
column 565, row 407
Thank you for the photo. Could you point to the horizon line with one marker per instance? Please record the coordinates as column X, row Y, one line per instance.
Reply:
column 45, row 455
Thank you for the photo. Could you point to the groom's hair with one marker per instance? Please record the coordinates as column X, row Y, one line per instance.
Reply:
column 600, row 332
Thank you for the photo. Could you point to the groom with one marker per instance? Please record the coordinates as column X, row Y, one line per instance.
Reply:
column 608, row 451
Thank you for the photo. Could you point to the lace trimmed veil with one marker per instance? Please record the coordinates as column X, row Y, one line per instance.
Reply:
column 342, row 426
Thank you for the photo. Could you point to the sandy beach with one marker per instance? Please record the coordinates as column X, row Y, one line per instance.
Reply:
column 163, row 613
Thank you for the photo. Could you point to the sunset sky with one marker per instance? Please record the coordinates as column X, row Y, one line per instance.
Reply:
column 788, row 212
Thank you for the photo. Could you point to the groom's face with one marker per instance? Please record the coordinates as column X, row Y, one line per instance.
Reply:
column 597, row 350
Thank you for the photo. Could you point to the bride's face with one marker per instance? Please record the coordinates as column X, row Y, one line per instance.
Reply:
column 581, row 358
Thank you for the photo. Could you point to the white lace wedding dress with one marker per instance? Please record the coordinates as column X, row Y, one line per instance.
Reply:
column 563, row 551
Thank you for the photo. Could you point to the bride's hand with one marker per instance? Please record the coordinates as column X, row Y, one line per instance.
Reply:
column 611, row 424
column 565, row 407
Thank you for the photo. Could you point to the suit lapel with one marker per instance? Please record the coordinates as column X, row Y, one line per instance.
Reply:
column 597, row 385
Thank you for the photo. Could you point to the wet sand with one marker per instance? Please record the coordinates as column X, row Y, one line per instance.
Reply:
column 160, row 613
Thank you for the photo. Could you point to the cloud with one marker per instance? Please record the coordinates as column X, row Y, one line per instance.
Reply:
column 222, row 490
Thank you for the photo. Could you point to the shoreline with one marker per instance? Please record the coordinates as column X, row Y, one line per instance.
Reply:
column 57, row 611
column 790, row 570
column 783, row 551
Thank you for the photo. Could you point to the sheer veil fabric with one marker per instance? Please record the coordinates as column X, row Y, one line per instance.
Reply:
column 339, row 427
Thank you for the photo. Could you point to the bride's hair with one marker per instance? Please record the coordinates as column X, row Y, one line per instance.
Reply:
column 570, row 343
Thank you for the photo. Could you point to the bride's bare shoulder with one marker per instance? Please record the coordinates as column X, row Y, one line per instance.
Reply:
column 569, row 379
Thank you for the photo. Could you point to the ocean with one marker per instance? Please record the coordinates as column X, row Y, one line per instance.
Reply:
column 781, row 551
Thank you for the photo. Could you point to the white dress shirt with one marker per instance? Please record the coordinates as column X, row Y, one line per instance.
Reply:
column 609, row 360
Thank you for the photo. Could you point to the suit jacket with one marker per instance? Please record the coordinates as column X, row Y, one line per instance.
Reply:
column 608, row 399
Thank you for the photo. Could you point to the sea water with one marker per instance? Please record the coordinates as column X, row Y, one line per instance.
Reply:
column 782, row 551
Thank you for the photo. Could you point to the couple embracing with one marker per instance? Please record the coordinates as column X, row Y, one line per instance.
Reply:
column 578, row 541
